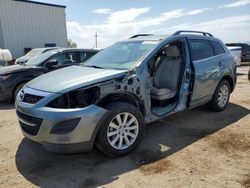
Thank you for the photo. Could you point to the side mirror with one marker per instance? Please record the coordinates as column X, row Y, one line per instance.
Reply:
column 51, row 63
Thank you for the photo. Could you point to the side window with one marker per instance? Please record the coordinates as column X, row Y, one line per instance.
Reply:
column 86, row 55
column 70, row 57
column 200, row 49
column 65, row 58
column 248, row 48
column 90, row 54
column 218, row 49
column 59, row 58
column 83, row 56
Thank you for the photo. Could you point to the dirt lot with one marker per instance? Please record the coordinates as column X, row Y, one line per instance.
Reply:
column 195, row 148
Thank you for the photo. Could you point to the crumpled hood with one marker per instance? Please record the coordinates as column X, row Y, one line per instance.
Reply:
column 73, row 77
column 12, row 69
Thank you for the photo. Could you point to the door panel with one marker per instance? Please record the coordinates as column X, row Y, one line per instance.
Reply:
column 206, row 71
column 206, row 77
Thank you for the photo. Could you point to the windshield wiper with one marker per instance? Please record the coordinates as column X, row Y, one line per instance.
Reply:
column 95, row 66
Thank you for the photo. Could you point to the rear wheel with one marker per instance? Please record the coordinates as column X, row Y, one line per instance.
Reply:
column 220, row 97
column 121, row 132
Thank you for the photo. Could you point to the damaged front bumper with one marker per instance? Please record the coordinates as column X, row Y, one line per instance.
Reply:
column 60, row 130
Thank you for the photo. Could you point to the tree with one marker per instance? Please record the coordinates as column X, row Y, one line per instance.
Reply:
column 71, row 44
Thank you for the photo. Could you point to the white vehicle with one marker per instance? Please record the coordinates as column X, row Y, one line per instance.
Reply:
column 5, row 56
column 32, row 54
column 236, row 52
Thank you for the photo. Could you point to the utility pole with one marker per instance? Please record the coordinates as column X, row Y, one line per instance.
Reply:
column 96, row 39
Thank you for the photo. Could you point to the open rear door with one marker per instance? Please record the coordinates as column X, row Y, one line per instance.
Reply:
column 206, row 71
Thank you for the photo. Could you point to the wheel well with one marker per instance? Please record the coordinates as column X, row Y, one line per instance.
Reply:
column 123, row 97
column 22, row 82
column 230, row 81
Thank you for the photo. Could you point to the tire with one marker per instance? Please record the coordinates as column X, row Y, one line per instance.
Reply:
column 221, row 96
column 17, row 89
column 108, row 142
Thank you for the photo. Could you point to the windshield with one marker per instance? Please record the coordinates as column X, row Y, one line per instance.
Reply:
column 122, row 55
column 40, row 58
column 34, row 52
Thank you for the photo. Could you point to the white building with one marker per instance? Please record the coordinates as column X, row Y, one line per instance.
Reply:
column 25, row 25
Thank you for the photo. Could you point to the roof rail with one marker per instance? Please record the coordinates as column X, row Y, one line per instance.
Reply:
column 140, row 35
column 187, row 31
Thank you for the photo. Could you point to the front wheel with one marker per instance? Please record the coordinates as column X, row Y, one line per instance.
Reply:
column 221, row 96
column 122, row 131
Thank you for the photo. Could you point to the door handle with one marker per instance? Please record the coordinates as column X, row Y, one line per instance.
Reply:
column 219, row 64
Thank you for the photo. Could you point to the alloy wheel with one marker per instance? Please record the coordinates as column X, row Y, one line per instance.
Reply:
column 122, row 130
column 223, row 95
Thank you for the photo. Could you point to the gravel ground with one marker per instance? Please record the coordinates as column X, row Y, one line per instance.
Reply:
column 195, row 148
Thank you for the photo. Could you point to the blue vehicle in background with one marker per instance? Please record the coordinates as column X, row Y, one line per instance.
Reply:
column 109, row 99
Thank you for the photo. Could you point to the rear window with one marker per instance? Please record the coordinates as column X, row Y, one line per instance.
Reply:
column 34, row 52
column 218, row 48
column 200, row 49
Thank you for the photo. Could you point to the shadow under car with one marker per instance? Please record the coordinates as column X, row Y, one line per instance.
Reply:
column 94, row 169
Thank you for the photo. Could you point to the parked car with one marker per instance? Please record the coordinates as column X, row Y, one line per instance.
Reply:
column 14, row 77
column 245, row 56
column 5, row 57
column 236, row 52
column 32, row 54
column 108, row 101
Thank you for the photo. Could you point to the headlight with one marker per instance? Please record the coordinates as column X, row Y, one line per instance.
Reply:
column 76, row 99
column 5, row 77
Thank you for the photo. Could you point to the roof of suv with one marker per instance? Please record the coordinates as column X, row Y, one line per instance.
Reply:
column 149, row 37
column 183, row 33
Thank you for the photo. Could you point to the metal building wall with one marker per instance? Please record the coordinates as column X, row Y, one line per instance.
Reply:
column 1, row 36
column 31, row 25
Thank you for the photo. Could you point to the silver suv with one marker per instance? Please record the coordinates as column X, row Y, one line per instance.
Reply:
column 108, row 101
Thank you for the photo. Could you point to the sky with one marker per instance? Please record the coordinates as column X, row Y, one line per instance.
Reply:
column 115, row 20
